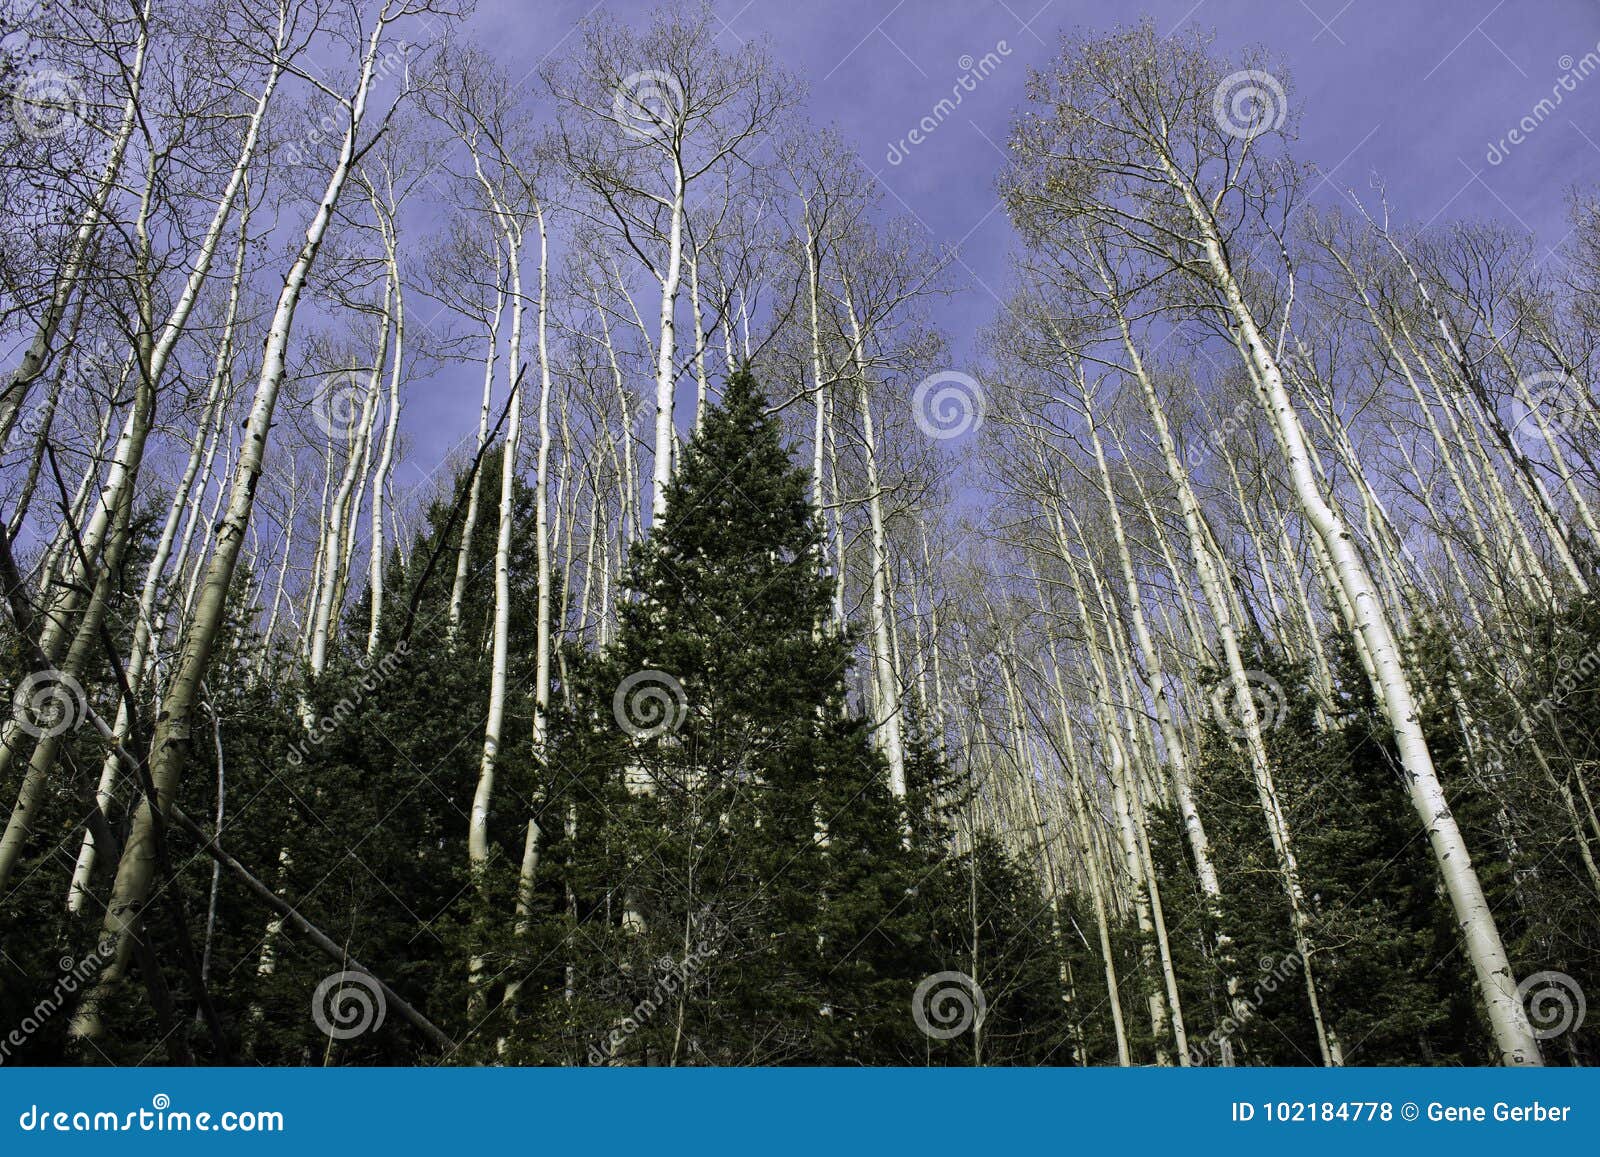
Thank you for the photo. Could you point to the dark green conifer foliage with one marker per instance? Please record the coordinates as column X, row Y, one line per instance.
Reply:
column 743, row 891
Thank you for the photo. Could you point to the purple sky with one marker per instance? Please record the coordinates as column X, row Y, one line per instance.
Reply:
column 1415, row 91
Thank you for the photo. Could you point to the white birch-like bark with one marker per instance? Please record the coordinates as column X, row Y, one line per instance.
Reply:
column 1481, row 937
column 173, row 733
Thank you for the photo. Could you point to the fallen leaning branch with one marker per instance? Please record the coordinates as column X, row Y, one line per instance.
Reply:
column 287, row 910
column 25, row 619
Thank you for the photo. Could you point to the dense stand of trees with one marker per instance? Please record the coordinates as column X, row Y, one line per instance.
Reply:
column 1229, row 698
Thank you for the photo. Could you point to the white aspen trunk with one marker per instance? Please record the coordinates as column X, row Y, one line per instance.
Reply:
column 1442, row 445
column 1484, row 473
column 85, row 642
column 1139, row 787
column 173, row 733
column 478, row 820
column 1208, row 568
column 1041, row 835
column 44, row 426
column 542, row 556
column 888, row 719
column 1177, row 755
column 15, row 392
column 1467, row 375
column 1118, row 771
column 814, row 325
column 1086, row 843
column 380, row 477
column 666, row 369
column 335, row 560
column 628, row 516
column 1507, row 1016
column 702, row 393
column 212, row 417
column 469, row 521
